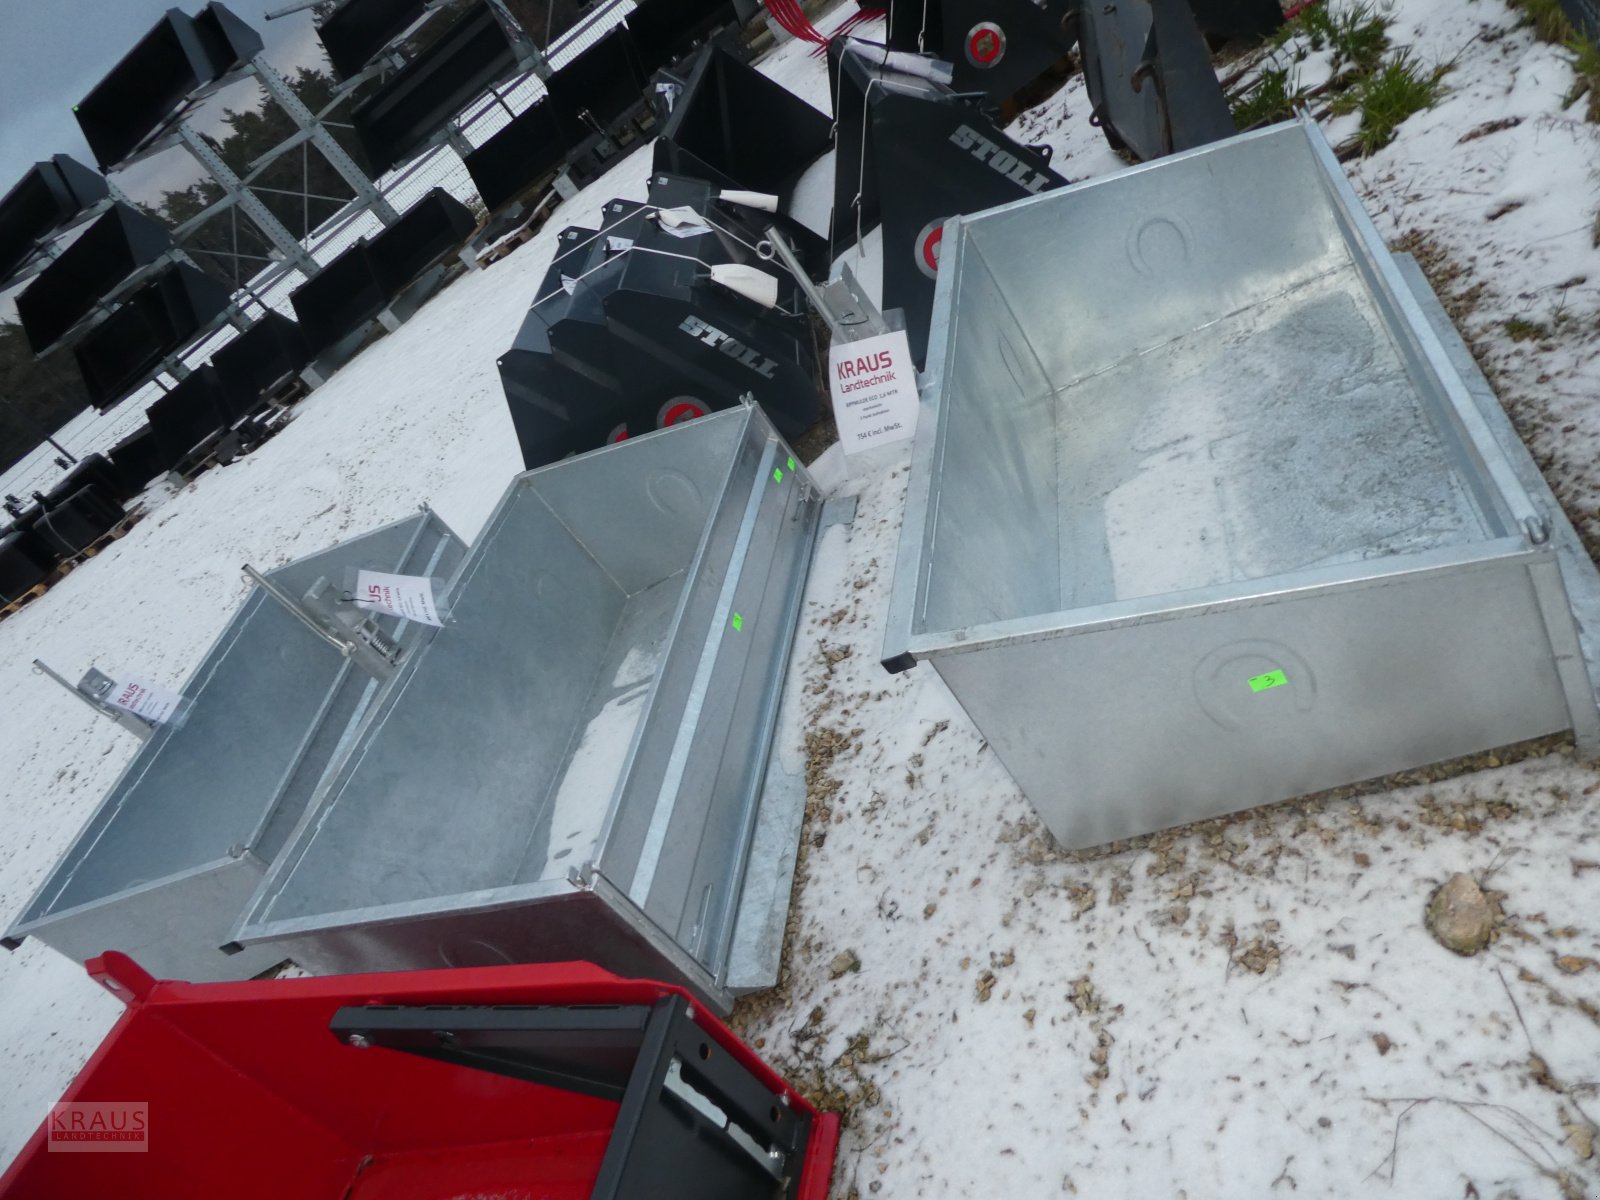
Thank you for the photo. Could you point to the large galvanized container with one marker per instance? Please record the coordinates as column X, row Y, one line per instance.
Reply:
column 576, row 764
column 181, row 840
column 1202, row 517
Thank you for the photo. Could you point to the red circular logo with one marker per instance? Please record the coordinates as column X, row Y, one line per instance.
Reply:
column 678, row 410
column 927, row 248
column 986, row 42
column 619, row 434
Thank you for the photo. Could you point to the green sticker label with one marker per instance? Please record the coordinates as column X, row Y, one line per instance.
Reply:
column 777, row 474
column 791, row 464
column 738, row 621
column 1272, row 679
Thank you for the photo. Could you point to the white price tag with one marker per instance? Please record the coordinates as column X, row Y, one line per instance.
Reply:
column 408, row 596
column 144, row 699
column 874, row 388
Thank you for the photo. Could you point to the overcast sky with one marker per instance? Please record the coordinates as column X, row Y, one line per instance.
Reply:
column 52, row 52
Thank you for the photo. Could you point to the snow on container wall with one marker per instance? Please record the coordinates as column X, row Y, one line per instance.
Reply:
column 182, row 838
column 576, row 764
column 1209, row 520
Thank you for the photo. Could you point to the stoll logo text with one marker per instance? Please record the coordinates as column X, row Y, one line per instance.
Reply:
column 99, row 1127
column 711, row 336
column 1003, row 161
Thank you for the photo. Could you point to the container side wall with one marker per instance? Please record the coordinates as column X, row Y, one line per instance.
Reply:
column 1159, row 722
column 642, row 513
column 992, row 534
column 1115, row 266
column 501, row 687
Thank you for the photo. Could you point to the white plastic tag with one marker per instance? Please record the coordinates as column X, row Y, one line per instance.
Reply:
column 764, row 201
column 749, row 282
column 616, row 245
column 874, row 389
column 408, row 596
column 145, row 700
column 682, row 221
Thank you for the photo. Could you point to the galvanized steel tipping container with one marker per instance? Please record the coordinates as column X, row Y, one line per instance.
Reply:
column 182, row 838
column 577, row 766
column 1202, row 516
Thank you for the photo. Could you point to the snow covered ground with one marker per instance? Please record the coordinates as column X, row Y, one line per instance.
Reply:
column 1248, row 1007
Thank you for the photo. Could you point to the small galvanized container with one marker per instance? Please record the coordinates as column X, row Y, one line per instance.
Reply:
column 1202, row 517
column 183, row 837
column 575, row 767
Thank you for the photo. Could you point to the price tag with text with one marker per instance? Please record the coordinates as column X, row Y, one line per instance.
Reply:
column 157, row 704
column 874, row 389
column 408, row 596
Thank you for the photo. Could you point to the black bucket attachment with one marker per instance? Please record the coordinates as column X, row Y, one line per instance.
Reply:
column 359, row 30
column 259, row 363
column 397, row 121
column 188, row 415
column 340, row 299
column 666, row 30
column 139, row 458
column 25, row 562
column 51, row 195
column 576, row 378
column 734, row 127
column 566, row 406
column 996, row 47
column 527, row 151
column 78, row 521
column 430, row 230
column 179, row 58
column 160, row 318
column 93, row 469
column 599, row 95
column 1237, row 18
column 116, row 245
column 929, row 155
column 711, row 346
column 1149, row 77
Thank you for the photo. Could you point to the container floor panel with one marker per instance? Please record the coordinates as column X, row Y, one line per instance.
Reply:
column 1284, row 436
column 565, row 832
